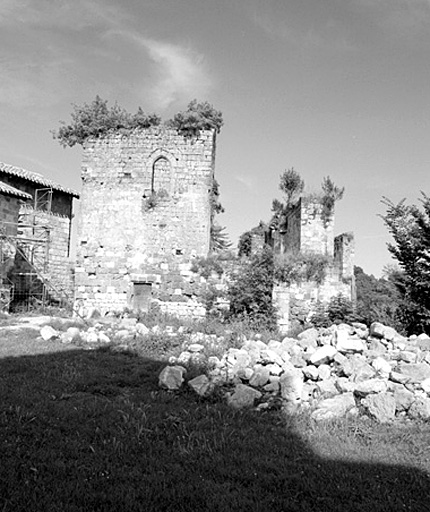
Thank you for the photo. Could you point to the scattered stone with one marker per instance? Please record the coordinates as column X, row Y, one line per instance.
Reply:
column 417, row 372
column 292, row 386
column 322, row 355
column 367, row 387
column 172, row 377
column 49, row 333
column 381, row 406
column 200, row 384
column 243, row 397
column 335, row 407
column 420, row 409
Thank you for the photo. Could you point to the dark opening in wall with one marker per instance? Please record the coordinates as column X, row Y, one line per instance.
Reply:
column 141, row 296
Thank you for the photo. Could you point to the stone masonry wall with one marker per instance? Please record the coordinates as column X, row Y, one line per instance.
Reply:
column 316, row 232
column 145, row 210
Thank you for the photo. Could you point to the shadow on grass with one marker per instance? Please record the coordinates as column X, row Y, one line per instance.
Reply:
column 91, row 431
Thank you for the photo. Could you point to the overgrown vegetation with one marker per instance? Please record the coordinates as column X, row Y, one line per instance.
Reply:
column 250, row 293
column 301, row 267
column 96, row 119
column 292, row 186
column 410, row 229
column 339, row 310
column 219, row 239
column 197, row 117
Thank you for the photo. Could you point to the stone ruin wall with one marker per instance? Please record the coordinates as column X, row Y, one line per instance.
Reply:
column 307, row 232
column 145, row 215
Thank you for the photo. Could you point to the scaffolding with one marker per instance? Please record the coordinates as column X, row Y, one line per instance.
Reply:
column 24, row 258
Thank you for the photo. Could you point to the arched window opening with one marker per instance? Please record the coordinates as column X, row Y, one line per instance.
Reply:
column 161, row 175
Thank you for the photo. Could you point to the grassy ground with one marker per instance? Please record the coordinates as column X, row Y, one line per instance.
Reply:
column 91, row 431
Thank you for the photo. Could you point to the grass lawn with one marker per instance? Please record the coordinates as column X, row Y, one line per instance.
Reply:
column 91, row 431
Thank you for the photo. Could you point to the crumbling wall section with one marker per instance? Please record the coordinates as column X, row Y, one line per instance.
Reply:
column 316, row 229
column 145, row 210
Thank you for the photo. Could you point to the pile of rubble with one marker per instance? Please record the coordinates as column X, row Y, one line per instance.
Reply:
column 339, row 371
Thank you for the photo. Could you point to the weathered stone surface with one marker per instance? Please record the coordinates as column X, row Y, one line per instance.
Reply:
column 324, row 372
column 171, row 377
column 323, row 355
column 420, row 409
column 423, row 343
column 49, row 333
column 310, row 372
column 72, row 335
column 403, row 398
column 417, row 372
column 292, row 386
column 200, row 385
column 367, row 387
column 350, row 345
column 243, row 397
column 334, row 407
column 260, row 377
column 425, row 385
column 382, row 367
column 381, row 406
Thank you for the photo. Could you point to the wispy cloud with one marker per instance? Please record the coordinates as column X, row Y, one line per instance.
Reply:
column 181, row 73
column 32, row 71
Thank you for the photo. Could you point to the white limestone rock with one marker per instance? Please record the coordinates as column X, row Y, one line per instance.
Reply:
column 243, row 397
column 322, row 355
column 172, row 377
column 200, row 384
column 292, row 386
column 49, row 333
column 370, row 386
column 335, row 407
column 381, row 406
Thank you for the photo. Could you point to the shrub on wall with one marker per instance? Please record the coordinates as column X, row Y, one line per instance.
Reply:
column 96, row 119
column 197, row 117
column 301, row 267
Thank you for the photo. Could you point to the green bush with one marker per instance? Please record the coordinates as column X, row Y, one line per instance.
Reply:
column 97, row 119
column 250, row 293
column 197, row 117
column 338, row 310
column 301, row 267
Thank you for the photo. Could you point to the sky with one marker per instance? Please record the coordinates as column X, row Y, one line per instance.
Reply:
column 337, row 88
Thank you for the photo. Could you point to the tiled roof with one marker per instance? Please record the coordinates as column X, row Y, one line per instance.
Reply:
column 12, row 191
column 35, row 178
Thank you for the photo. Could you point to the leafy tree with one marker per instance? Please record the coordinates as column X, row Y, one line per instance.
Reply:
column 292, row 185
column 197, row 117
column 410, row 229
column 96, row 119
column 378, row 300
column 250, row 292
column 331, row 194
column 245, row 239
column 219, row 240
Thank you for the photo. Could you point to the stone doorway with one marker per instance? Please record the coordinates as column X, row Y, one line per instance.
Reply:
column 141, row 296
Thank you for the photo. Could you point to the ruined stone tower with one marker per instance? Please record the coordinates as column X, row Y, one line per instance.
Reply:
column 145, row 211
